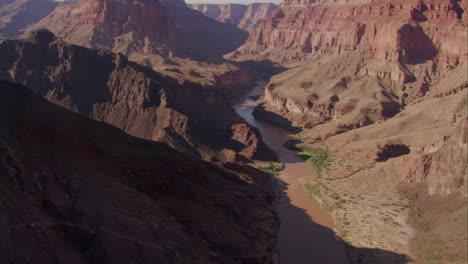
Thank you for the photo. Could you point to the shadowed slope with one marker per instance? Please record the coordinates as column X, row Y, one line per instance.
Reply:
column 79, row 191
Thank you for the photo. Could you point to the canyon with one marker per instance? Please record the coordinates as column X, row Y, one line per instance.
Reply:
column 246, row 17
column 148, row 108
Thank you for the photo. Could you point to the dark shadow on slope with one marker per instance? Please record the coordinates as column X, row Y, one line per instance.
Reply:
column 261, row 113
column 202, row 38
column 414, row 45
column 264, row 69
column 458, row 9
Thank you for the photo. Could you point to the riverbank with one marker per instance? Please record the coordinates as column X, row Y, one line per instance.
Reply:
column 306, row 233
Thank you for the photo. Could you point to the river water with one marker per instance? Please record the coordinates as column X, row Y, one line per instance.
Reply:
column 306, row 233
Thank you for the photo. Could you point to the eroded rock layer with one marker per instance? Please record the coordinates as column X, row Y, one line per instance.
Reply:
column 79, row 191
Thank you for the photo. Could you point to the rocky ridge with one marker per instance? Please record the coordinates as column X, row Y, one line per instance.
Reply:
column 246, row 17
column 98, row 195
column 107, row 87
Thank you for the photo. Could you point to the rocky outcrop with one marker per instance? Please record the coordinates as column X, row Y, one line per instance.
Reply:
column 79, row 191
column 442, row 167
column 246, row 17
column 16, row 15
column 107, row 87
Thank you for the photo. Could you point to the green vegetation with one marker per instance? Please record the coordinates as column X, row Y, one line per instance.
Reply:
column 312, row 189
column 318, row 158
column 272, row 167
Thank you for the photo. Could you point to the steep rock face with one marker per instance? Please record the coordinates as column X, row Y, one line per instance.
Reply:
column 117, row 17
column 16, row 15
column 443, row 166
column 382, row 29
column 79, row 191
column 246, row 17
column 107, row 87
column 101, row 23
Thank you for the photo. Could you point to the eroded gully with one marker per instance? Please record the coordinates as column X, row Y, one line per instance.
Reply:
column 306, row 233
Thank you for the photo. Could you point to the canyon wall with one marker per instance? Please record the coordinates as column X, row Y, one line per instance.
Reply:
column 246, row 17
column 388, row 30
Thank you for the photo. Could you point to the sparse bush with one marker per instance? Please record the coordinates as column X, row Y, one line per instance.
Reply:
column 317, row 158
column 272, row 167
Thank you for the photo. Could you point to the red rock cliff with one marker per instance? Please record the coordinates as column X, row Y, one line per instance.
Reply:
column 116, row 17
column 388, row 30
column 96, row 23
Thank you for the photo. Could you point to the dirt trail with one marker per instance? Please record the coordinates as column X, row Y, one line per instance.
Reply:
column 306, row 233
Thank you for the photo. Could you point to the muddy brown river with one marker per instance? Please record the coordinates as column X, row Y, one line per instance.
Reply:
column 306, row 233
